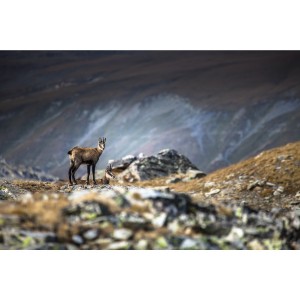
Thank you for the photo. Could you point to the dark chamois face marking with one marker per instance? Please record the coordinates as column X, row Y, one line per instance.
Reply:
column 101, row 144
column 88, row 156
column 109, row 172
column 108, row 175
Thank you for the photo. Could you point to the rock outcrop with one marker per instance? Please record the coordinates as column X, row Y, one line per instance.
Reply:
column 166, row 162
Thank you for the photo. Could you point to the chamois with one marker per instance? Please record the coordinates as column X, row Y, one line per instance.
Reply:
column 88, row 156
column 108, row 175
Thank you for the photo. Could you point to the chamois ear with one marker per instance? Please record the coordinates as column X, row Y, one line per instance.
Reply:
column 100, row 140
column 104, row 140
column 110, row 167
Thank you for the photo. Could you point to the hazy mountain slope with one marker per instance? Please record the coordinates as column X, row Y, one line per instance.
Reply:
column 214, row 107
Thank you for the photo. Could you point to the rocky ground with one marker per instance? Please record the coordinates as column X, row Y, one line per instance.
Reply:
column 254, row 204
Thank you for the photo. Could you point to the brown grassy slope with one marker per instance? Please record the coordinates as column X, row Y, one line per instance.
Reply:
column 280, row 166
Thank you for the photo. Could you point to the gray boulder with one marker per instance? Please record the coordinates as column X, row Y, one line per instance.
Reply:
column 123, row 163
column 166, row 162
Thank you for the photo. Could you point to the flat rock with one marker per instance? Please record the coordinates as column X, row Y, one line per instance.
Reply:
column 122, row 245
column 212, row 192
column 193, row 174
column 173, row 180
column 91, row 234
column 188, row 244
column 122, row 234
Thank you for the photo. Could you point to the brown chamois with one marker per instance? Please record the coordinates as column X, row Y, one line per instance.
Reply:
column 108, row 175
column 87, row 156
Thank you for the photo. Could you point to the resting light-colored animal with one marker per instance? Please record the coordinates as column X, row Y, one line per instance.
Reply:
column 87, row 156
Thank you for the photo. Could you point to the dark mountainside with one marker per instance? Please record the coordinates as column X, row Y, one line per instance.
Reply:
column 214, row 107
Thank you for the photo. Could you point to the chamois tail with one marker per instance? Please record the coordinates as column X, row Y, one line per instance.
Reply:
column 70, row 151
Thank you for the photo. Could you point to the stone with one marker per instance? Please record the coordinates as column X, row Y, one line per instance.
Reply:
column 141, row 245
column 297, row 194
column 91, row 234
column 161, row 243
column 277, row 193
column 255, row 245
column 122, row 234
column 280, row 189
column 160, row 220
column 283, row 157
column 173, row 180
column 77, row 239
column 174, row 226
column 186, row 179
column 122, row 245
column 209, row 184
column 193, row 174
column 164, row 189
column 212, row 192
column 141, row 155
column 103, row 242
column 188, row 244
column 257, row 183
column 6, row 193
column 3, row 195
column 134, row 222
column 234, row 235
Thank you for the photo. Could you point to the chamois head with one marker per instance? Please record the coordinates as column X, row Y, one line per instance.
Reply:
column 109, row 173
column 101, row 144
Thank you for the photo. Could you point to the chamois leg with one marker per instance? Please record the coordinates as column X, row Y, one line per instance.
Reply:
column 73, row 173
column 70, row 173
column 88, row 174
column 93, row 169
